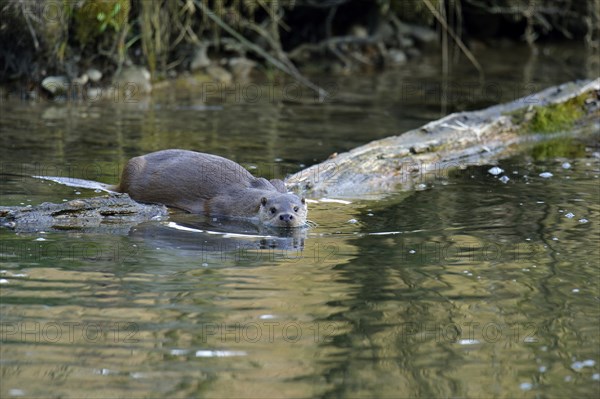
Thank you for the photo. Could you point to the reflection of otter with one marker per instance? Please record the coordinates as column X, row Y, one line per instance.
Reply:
column 211, row 185
column 201, row 236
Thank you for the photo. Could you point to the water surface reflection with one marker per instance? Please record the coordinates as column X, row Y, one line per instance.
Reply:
column 472, row 287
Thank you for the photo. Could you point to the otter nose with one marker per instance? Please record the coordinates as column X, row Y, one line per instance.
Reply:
column 286, row 217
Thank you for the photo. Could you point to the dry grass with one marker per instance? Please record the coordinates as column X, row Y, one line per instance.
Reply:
column 63, row 36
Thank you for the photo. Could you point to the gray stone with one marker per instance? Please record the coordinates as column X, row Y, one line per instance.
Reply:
column 359, row 31
column 406, row 42
column 396, row 57
column 423, row 34
column 386, row 33
column 56, row 84
column 199, row 59
column 81, row 81
column 241, row 67
column 413, row 52
column 133, row 80
column 94, row 74
column 219, row 74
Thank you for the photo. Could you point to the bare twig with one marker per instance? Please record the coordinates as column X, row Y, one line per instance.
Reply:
column 273, row 15
column 279, row 64
column 330, row 43
column 457, row 39
column 36, row 43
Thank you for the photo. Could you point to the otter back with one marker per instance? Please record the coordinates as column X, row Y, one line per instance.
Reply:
column 195, row 182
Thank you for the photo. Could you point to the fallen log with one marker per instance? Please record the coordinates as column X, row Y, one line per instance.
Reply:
column 457, row 140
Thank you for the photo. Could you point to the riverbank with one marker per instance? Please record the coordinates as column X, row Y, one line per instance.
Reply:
column 87, row 49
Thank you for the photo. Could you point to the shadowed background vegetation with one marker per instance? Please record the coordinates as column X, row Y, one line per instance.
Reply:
column 40, row 38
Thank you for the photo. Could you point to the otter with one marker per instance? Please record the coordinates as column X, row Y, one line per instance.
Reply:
column 212, row 185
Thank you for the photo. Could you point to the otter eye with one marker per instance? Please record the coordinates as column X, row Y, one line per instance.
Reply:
column 296, row 209
column 273, row 210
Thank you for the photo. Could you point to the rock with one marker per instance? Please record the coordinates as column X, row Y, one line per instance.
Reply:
column 55, row 113
column 219, row 74
column 56, row 84
column 406, row 42
column 396, row 57
column 359, row 31
column 133, row 80
column 495, row 171
column 403, row 28
column 94, row 74
column 94, row 93
column 413, row 52
column 423, row 34
column 199, row 59
column 80, row 81
column 386, row 33
column 241, row 67
column 31, row 95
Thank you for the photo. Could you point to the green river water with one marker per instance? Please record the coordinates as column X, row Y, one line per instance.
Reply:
column 469, row 288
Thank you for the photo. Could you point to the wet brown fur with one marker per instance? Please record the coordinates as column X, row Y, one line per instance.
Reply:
column 212, row 185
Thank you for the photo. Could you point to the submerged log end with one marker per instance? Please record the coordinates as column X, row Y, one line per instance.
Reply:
column 113, row 212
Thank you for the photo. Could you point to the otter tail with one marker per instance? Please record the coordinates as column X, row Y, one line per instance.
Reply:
column 79, row 183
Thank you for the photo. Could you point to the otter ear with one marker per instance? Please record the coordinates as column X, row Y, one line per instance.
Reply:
column 303, row 200
column 263, row 201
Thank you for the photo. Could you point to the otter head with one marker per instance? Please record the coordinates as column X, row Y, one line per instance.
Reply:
column 283, row 210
